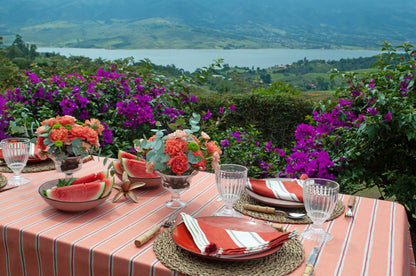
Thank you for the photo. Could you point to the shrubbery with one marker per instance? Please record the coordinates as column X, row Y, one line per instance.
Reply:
column 365, row 139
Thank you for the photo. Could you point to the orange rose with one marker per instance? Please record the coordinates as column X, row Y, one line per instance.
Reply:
column 66, row 120
column 174, row 146
column 212, row 147
column 95, row 125
column 50, row 122
column 58, row 134
column 75, row 132
column 91, row 136
column 179, row 163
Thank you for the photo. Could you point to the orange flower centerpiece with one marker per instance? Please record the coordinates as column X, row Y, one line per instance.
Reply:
column 178, row 156
column 67, row 141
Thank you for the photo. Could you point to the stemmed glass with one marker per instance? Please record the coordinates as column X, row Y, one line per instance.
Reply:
column 320, row 197
column 16, row 151
column 230, row 180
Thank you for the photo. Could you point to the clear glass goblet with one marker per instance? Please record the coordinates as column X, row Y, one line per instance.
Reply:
column 16, row 152
column 230, row 180
column 320, row 197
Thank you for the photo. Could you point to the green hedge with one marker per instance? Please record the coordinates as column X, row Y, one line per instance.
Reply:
column 275, row 116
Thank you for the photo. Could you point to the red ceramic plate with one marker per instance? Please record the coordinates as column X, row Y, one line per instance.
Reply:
column 274, row 201
column 183, row 238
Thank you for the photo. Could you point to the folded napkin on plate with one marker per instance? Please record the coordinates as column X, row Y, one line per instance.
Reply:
column 212, row 240
column 290, row 190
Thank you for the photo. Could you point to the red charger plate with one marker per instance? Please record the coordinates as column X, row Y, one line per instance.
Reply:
column 183, row 238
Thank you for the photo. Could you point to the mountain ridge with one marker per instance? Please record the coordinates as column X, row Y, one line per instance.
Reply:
column 197, row 24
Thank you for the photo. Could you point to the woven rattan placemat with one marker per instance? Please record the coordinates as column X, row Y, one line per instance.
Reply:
column 3, row 180
column 282, row 262
column 40, row 166
column 278, row 217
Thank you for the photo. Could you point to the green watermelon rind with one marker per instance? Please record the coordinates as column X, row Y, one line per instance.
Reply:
column 117, row 166
column 125, row 154
column 107, row 189
column 50, row 192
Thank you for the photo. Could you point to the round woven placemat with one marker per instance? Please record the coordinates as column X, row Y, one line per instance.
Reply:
column 278, row 217
column 282, row 262
column 38, row 166
column 3, row 180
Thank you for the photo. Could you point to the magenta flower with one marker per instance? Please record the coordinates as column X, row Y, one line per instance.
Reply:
column 387, row 117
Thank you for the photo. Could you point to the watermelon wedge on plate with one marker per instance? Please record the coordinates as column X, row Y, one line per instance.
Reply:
column 136, row 171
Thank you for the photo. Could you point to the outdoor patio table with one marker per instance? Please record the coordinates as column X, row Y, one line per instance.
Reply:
column 36, row 239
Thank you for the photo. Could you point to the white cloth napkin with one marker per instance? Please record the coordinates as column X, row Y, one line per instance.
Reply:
column 212, row 240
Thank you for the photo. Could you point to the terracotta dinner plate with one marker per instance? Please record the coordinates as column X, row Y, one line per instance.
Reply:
column 274, row 201
column 183, row 238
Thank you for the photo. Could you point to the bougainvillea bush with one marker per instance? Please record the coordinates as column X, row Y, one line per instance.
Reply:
column 368, row 138
column 127, row 103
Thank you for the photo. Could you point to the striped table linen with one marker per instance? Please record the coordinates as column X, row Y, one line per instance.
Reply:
column 39, row 240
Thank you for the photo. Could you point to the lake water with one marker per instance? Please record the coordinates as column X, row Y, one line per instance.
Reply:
column 191, row 59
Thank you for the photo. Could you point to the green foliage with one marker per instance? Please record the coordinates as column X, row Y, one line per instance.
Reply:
column 246, row 146
column 278, row 87
column 377, row 146
column 275, row 116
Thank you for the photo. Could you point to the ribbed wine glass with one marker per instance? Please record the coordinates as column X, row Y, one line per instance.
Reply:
column 16, row 152
column 320, row 197
column 231, row 180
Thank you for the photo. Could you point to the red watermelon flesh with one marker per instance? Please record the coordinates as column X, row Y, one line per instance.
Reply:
column 124, row 154
column 136, row 168
column 117, row 166
column 74, row 193
column 89, row 178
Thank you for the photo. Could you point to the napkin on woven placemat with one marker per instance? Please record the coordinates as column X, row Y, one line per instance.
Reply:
column 290, row 190
column 213, row 240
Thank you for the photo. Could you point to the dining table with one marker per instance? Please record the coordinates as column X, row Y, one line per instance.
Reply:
column 37, row 239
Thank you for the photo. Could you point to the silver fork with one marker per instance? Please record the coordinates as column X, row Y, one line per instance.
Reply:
column 351, row 202
column 170, row 221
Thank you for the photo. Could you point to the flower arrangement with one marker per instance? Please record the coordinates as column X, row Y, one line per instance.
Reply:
column 64, row 136
column 179, row 152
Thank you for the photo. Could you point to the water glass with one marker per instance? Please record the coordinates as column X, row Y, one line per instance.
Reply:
column 16, row 152
column 230, row 180
column 320, row 197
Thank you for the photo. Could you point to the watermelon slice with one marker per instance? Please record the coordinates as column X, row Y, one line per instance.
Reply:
column 89, row 178
column 74, row 193
column 109, row 182
column 136, row 168
column 124, row 154
column 117, row 166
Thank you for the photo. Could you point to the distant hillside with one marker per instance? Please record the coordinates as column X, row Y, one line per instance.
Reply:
column 209, row 24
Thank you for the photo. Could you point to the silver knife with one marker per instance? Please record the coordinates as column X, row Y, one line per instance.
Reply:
column 310, row 261
column 5, row 188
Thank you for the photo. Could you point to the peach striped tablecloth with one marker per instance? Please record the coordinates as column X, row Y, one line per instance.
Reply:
column 39, row 240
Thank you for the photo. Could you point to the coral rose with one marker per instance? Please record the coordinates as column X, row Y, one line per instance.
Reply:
column 212, row 147
column 174, row 146
column 91, row 136
column 50, row 122
column 58, row 134
column 95, row 125
column 179, row 163
column 66, row 120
